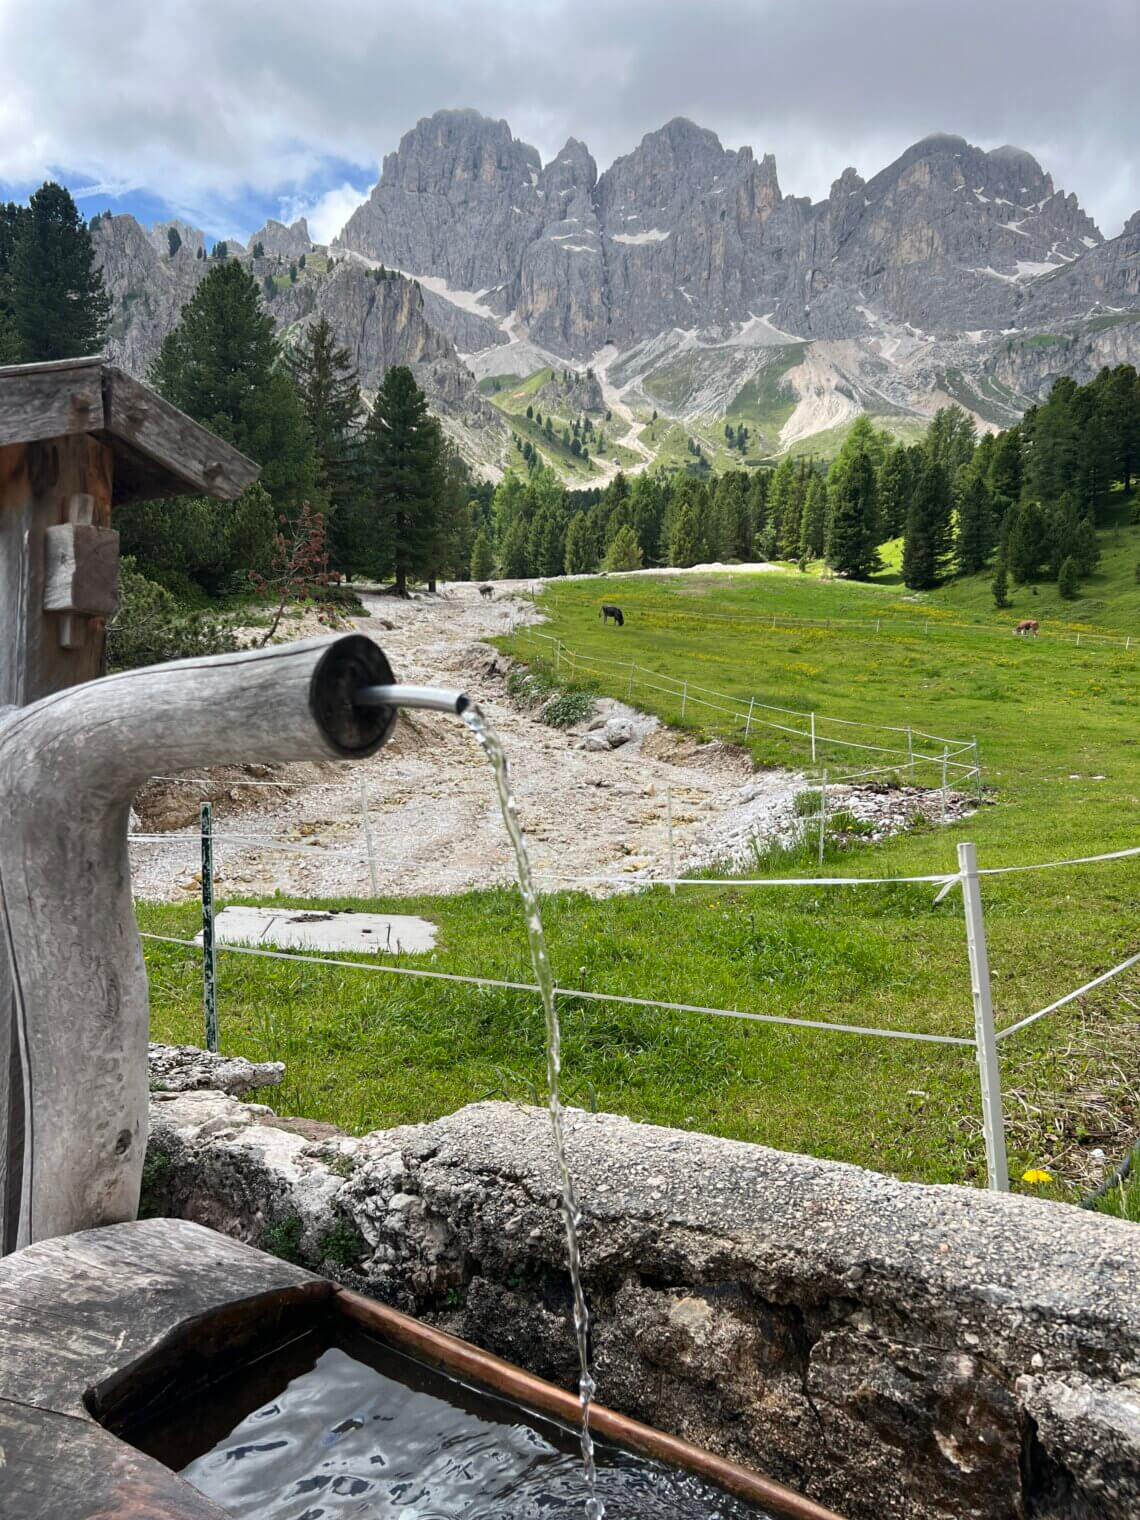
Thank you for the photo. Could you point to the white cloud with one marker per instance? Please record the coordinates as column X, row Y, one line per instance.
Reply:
column 328, row 213
column 226, row 101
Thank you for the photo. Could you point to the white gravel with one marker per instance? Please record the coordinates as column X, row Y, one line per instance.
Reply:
column 434, row 816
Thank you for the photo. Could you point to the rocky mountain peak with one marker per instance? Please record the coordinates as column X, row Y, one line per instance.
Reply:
column 288, row 241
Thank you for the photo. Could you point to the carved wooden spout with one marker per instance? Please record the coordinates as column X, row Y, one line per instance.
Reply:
column 69, row 765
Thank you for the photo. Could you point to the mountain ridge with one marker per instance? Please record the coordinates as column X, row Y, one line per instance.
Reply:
column 684, row 275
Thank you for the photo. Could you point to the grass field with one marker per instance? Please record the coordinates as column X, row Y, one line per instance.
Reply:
column 1059, row 745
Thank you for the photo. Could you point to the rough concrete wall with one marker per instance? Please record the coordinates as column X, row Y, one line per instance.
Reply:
column 931, row 1353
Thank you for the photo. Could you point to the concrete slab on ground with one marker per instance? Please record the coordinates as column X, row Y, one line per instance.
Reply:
column 305, row 929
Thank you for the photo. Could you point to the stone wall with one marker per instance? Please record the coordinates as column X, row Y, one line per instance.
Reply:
column 890, row 1349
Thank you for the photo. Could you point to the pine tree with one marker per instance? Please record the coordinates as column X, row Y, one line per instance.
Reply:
column 259, row 250
column 581, row 554
column 404, row 458
column 813, row 524
column 852, row 511
column 975, row 525
column 624, row 552
column 515, row 563
column 1028, row 546
column 1001, row 584
column 894, row 486
column 482, row 556
column 1068, row 581
column 173, row 240
column 326, row 383
column 926, row 543
column 60, row 309
column 221, row 251
column 221, row 366
column 10, row 217
column 686, row 540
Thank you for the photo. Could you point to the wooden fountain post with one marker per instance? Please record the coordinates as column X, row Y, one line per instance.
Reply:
column 78, row 437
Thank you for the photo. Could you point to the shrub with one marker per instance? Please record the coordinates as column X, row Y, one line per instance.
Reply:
column 150, row 627
column 1068, row 582
column 567, row 708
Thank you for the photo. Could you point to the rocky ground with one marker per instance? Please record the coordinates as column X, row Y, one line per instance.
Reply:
column 594, row 799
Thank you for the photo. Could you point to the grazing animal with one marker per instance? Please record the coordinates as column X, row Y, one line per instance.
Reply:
column 610, row 611
column 1027, row 626
column 486, row 591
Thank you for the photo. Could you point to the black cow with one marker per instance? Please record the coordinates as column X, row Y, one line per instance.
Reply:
column 486, row 591
column 610, row 611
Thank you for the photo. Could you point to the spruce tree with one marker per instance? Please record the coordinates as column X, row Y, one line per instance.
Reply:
column 813, row 525
column 1000, row 585
column 404, row 458
column 894, row 486
column 686, row 540
column 581, row 554
column 624, row 552
column 173, row 240
column 326, row 382
column 515, row 564
column 10, row 216
column 482, row 556
column 1028, row 546
column 926, row 542
column 852, row 508
column 221, row 365
column 975, row 525
column 1068, row 581
column 60, row 309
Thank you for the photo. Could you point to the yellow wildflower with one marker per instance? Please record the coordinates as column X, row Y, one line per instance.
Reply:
column 1034, row 1176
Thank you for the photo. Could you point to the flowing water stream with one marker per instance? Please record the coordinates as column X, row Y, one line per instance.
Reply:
column 488, row 741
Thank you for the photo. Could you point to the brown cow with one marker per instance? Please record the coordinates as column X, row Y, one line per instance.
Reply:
column 1026, row 626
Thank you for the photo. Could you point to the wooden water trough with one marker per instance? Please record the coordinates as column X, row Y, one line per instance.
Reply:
column 148, row 1317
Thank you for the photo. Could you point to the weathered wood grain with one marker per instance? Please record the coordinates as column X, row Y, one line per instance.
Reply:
column 56, row 1467
column 159, row 451
column 81, row 569
column 69, row 766
column 40, row 401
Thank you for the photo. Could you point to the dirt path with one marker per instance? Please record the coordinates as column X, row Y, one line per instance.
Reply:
column 429, row 794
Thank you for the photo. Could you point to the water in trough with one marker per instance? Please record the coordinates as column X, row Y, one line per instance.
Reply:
column 361, row 1431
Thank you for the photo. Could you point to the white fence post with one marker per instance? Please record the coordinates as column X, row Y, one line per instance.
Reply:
column 684, row 696
column 977, row 770
column 822, row 815
column 629, row 688
column 993, row 1120
column 672, row 853
column 368, row 839
column 813, row 738
column 910, row 754
column 748, row 720
column 945, row 761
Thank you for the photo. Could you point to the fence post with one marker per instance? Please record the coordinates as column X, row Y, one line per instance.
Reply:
column 672, row 854
column 629, row 688
column 977, row 770
column 748, row 720
column 945, row 759
column 684, row 696
column 993, row 1120
column 813, row 738
column 822, row 814
column 910, row 754
column 368, row 839
column 557, row 655
column 209, row 955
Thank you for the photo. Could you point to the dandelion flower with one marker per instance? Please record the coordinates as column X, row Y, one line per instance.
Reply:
column 1034, row 1176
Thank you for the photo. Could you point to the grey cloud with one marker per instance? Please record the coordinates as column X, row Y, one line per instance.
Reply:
column 229, row 93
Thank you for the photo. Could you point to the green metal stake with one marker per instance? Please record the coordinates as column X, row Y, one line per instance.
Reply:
column 209, row 956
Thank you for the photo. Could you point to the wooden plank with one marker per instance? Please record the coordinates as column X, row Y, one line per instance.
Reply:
column 58, row 1467
column 156, row 434
column 50, row 401
column 81, row 569
column 100, row 1300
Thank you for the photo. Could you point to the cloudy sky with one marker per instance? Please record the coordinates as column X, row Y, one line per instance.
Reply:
column 226, row 111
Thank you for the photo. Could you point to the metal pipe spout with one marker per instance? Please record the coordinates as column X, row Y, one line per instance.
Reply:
column 431, row 698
